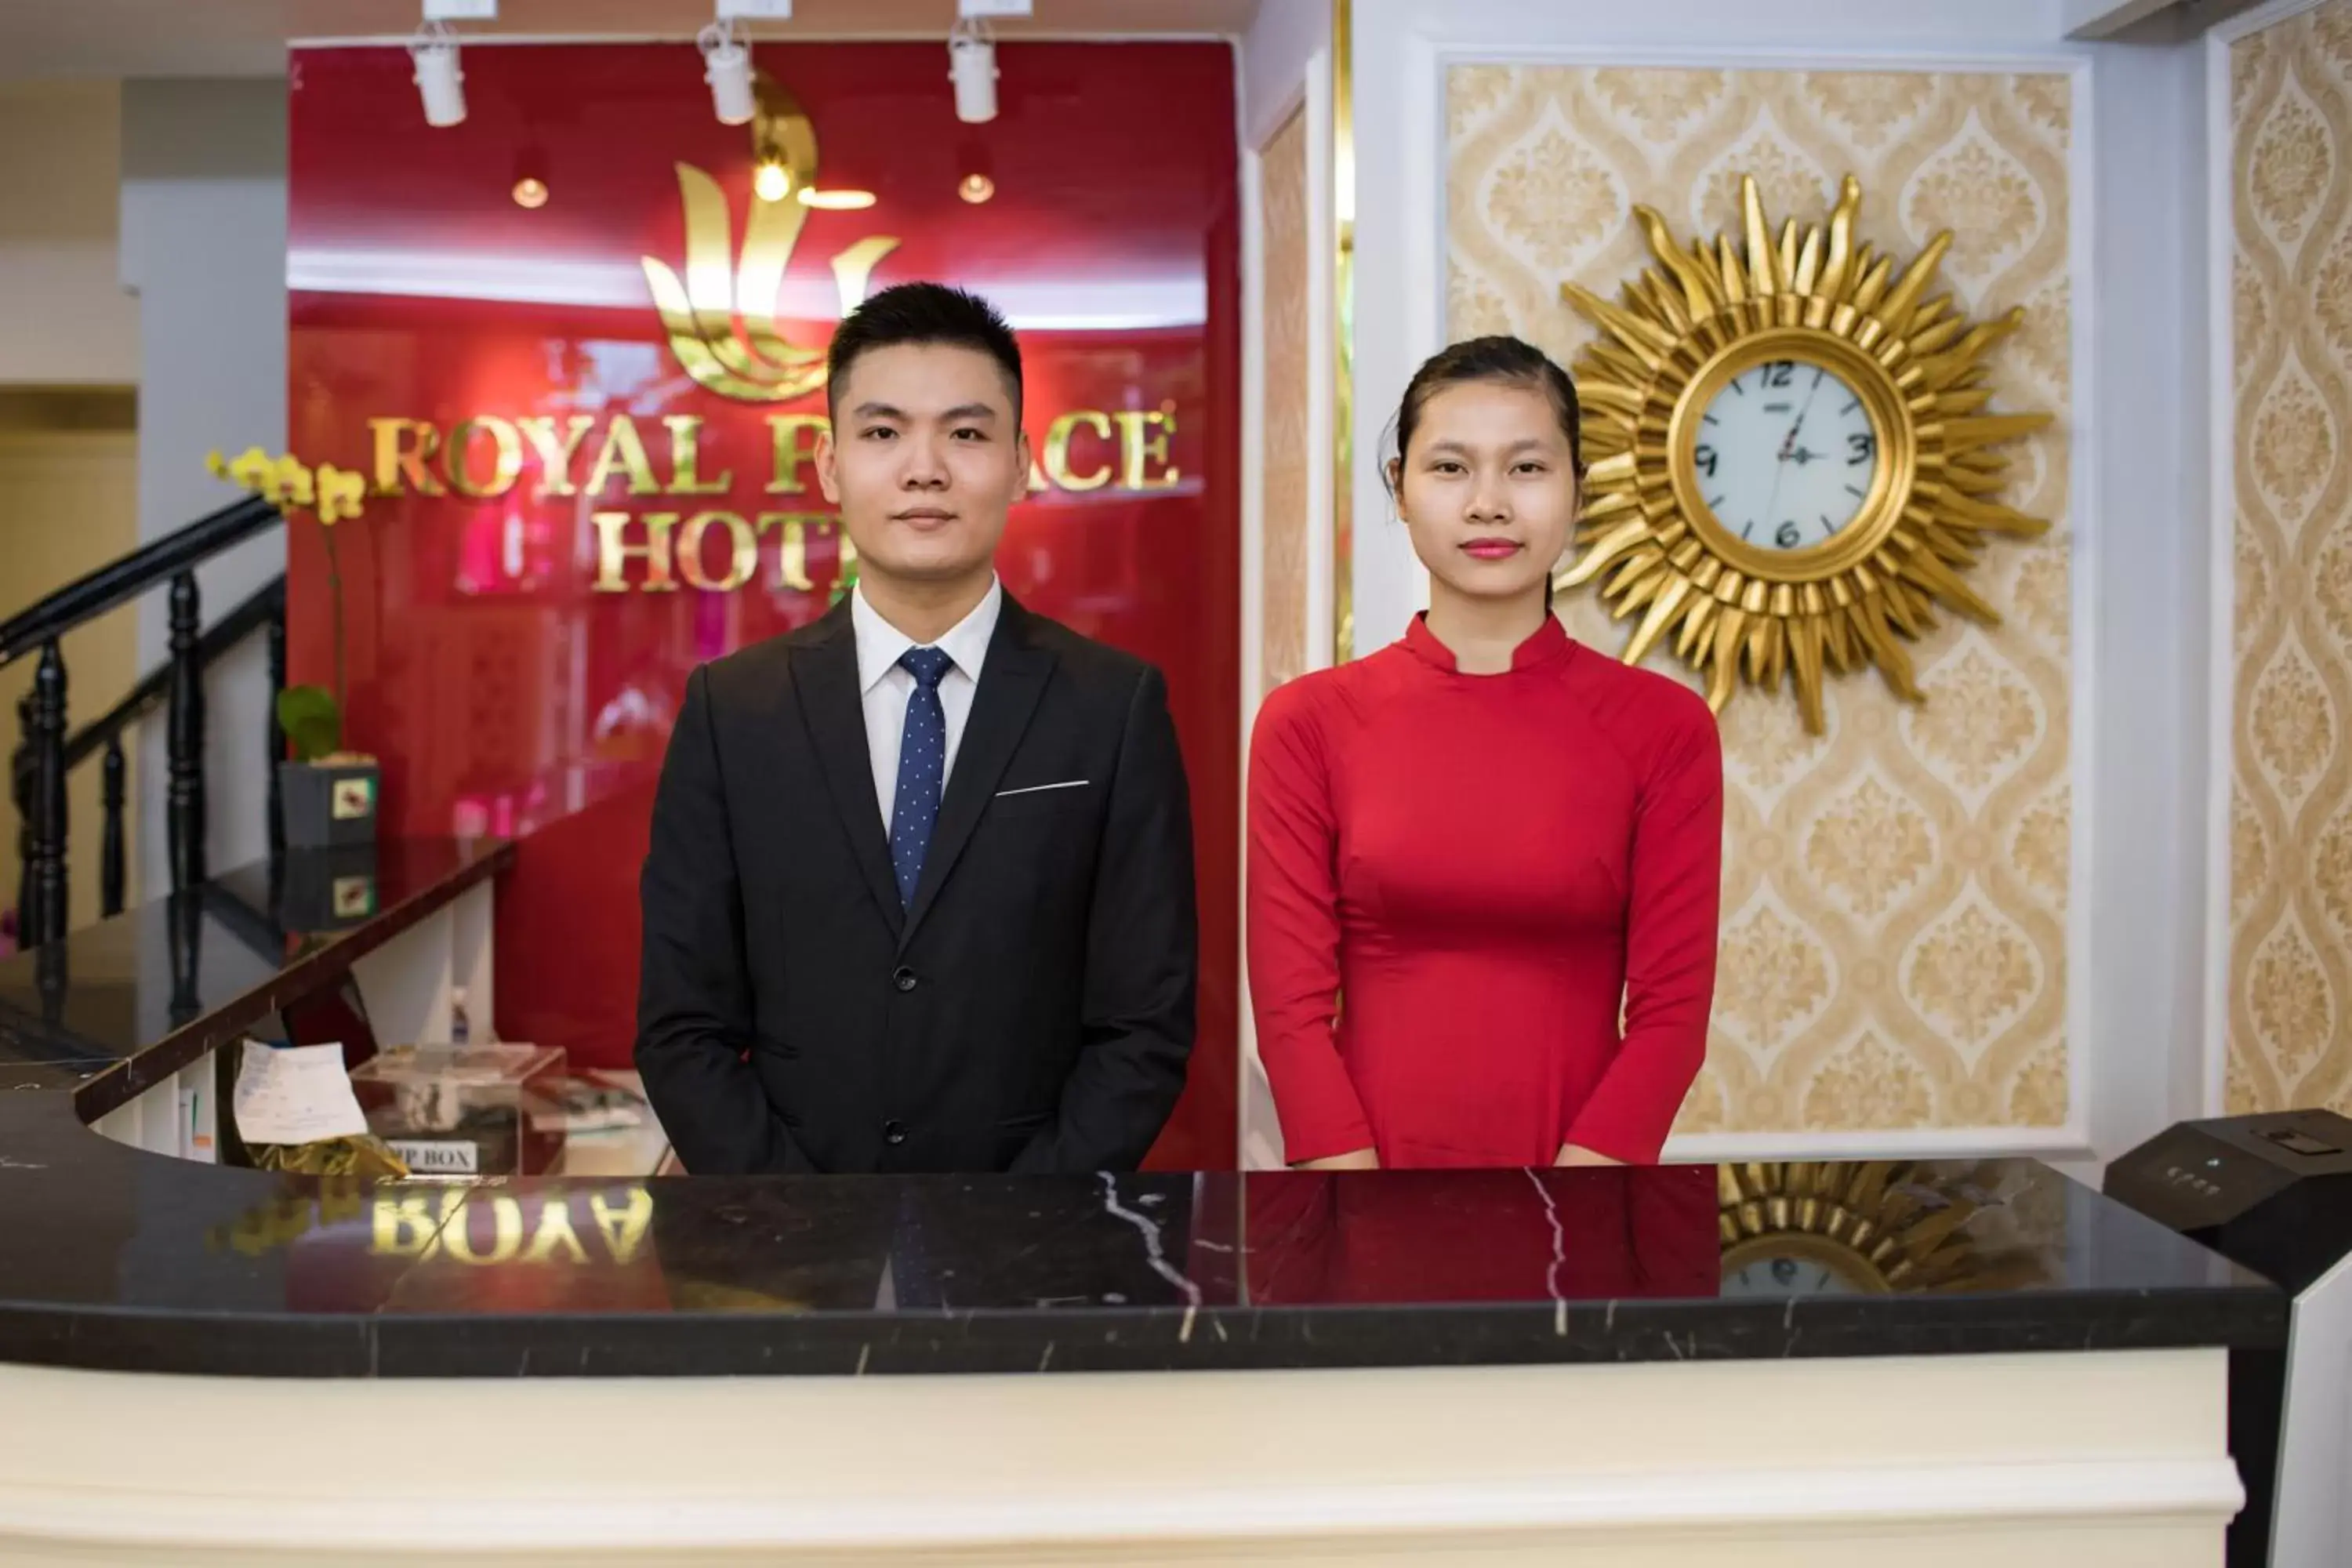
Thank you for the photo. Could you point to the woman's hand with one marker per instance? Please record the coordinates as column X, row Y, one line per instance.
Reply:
column 1572, row 1154
column 1354, row 1160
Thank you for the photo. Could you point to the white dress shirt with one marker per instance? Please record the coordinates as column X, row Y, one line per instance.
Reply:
column 886, row 687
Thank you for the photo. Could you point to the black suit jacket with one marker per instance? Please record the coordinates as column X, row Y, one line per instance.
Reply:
column 1033, row 1010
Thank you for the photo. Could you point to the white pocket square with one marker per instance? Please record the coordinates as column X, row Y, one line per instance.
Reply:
column 1039, row 789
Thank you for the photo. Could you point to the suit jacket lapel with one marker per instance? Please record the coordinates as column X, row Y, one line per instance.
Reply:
column 824, row 674
column 1011, row 681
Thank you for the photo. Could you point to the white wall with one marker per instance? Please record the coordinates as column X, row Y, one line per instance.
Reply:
column 2142, row 523
column 1276, row 55
column 2146, row 638
column 203, row 247
column 64, row 318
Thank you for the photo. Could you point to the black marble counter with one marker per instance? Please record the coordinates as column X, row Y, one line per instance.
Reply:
column 113, row 1258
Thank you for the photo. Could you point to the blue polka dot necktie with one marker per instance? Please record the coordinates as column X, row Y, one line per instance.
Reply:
column 922, row 768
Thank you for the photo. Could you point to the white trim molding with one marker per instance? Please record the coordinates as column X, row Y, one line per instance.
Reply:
column 2061, row 1460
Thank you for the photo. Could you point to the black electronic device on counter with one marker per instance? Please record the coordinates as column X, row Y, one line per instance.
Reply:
column 2274, row 1194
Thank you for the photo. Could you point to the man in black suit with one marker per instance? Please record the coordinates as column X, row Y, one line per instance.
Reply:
column 919, row 894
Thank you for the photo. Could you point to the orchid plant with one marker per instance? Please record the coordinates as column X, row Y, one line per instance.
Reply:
column 311, row 716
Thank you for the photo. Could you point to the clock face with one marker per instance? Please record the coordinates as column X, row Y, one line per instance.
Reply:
column 1786, row 455
column 1787, row 1276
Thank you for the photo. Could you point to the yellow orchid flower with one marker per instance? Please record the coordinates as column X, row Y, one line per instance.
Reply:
column 254, row 468
column 291, row 483
column 341, row 494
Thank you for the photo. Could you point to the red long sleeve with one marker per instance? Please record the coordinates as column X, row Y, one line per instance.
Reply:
column 1293, row 933
column 1671, row 925
column 1491, row 871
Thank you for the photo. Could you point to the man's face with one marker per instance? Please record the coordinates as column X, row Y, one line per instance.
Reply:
column 925, row 459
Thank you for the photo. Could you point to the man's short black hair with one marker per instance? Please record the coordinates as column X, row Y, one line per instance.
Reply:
column 925, row 313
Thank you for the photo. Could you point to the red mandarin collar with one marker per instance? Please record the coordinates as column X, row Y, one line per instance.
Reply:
column 1549, row 643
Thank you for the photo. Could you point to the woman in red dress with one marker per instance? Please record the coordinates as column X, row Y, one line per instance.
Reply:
column 1502, row 850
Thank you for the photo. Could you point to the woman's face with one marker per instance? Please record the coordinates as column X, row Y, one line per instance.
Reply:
column 1488, row 491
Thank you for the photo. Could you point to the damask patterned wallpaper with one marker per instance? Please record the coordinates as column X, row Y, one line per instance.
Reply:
column 1895, row 891
column 2291, row 803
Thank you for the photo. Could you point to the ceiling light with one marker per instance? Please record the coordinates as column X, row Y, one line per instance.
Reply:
column 531, row 192
column 835, row 200
column 439, row 82
column 972, row 66
column 772, row 182
column 726, row 66
column 976, row 188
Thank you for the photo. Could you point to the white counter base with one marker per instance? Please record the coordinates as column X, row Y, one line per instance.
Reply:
column 2066, row 1460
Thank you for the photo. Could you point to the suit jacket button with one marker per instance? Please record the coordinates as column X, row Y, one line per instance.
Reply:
column 904, row 979
column 894, row 1132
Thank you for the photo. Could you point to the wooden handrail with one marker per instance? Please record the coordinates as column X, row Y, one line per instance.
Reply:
column 117, row 582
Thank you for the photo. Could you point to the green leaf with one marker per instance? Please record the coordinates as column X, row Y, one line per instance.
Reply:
column 312, row 722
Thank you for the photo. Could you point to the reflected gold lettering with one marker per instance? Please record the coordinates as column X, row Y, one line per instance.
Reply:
column 403, row 1228
column 506, row 1229
column 743, row 557
column 509, row 463
column 555, row 1230
column 400, row 468
column 784, row 431
column 623, row 1229
column 623, row 451
column 613, row 552
column 1137, row 446
column 793, row 529
column 1057, row 450
column 554, row 461
column 684, row 455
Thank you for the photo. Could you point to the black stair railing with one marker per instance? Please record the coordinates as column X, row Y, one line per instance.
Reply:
column 48, row 750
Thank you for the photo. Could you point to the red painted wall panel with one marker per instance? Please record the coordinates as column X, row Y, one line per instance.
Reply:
column 503, row 690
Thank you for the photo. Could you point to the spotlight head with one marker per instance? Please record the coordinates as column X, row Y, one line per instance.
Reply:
column 726, row 66
column 972, row 66
column 439, row 82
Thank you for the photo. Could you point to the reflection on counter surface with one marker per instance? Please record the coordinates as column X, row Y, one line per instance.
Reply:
column 204, row 965
column 132, row 1259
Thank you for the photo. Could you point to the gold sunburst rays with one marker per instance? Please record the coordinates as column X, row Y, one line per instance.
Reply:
column 1876, row 1225
column 1682, row 332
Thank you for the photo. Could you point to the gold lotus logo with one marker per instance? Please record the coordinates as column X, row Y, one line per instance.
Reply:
column 721, row 317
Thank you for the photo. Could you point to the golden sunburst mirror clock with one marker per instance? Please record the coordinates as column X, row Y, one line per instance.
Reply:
column 1791, row 460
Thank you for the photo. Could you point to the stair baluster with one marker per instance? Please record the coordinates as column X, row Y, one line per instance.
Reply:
column 47, row 919
column 110, row 858
column 20, row 794
column 184, row 741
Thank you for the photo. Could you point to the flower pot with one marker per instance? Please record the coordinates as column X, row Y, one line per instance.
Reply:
column 326, row 889
column 327, row 803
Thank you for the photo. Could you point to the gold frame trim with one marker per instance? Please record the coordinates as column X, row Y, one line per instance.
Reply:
column 1343, row 346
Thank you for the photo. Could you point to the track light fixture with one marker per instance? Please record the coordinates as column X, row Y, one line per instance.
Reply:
column 726, row 66
column 972, row 66
column 439, row 82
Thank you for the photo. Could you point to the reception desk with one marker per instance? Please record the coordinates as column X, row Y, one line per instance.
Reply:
column 1770, row 1364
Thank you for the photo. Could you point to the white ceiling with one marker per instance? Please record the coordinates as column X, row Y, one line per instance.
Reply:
column 248, row 37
